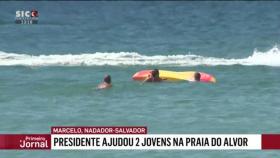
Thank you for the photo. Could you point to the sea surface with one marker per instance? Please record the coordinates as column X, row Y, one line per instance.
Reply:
column 49, row 70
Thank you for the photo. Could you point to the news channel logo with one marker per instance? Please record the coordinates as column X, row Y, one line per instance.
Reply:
column 27, row 17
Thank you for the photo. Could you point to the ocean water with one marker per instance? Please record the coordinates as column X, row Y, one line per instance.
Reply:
column 49, row 71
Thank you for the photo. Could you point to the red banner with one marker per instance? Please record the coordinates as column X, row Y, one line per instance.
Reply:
column 25, row 141
column 270, row 141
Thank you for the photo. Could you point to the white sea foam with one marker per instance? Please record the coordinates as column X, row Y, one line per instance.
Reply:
column 268, row 58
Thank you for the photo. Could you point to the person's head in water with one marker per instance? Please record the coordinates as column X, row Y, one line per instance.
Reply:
column 107, row 79
column 197, row 76
column 155, row 73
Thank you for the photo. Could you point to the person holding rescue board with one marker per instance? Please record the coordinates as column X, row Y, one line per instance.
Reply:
column 153, row 76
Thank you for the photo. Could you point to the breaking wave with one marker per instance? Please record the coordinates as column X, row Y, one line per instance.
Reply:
column 268, row 58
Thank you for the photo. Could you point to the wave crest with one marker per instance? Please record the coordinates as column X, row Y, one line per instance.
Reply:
column 268, row 58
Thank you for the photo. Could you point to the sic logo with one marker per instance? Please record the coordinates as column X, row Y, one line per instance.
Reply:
column 27, row 14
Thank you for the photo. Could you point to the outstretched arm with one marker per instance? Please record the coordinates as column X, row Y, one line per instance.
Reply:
column 147, row 78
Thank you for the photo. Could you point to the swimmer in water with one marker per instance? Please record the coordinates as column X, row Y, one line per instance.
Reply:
column 106, row 83
column 153, row 77
column 196, row 77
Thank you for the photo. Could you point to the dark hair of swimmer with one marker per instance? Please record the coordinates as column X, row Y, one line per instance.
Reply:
column 107, row 79
column 197, row 76
column 155, row 73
